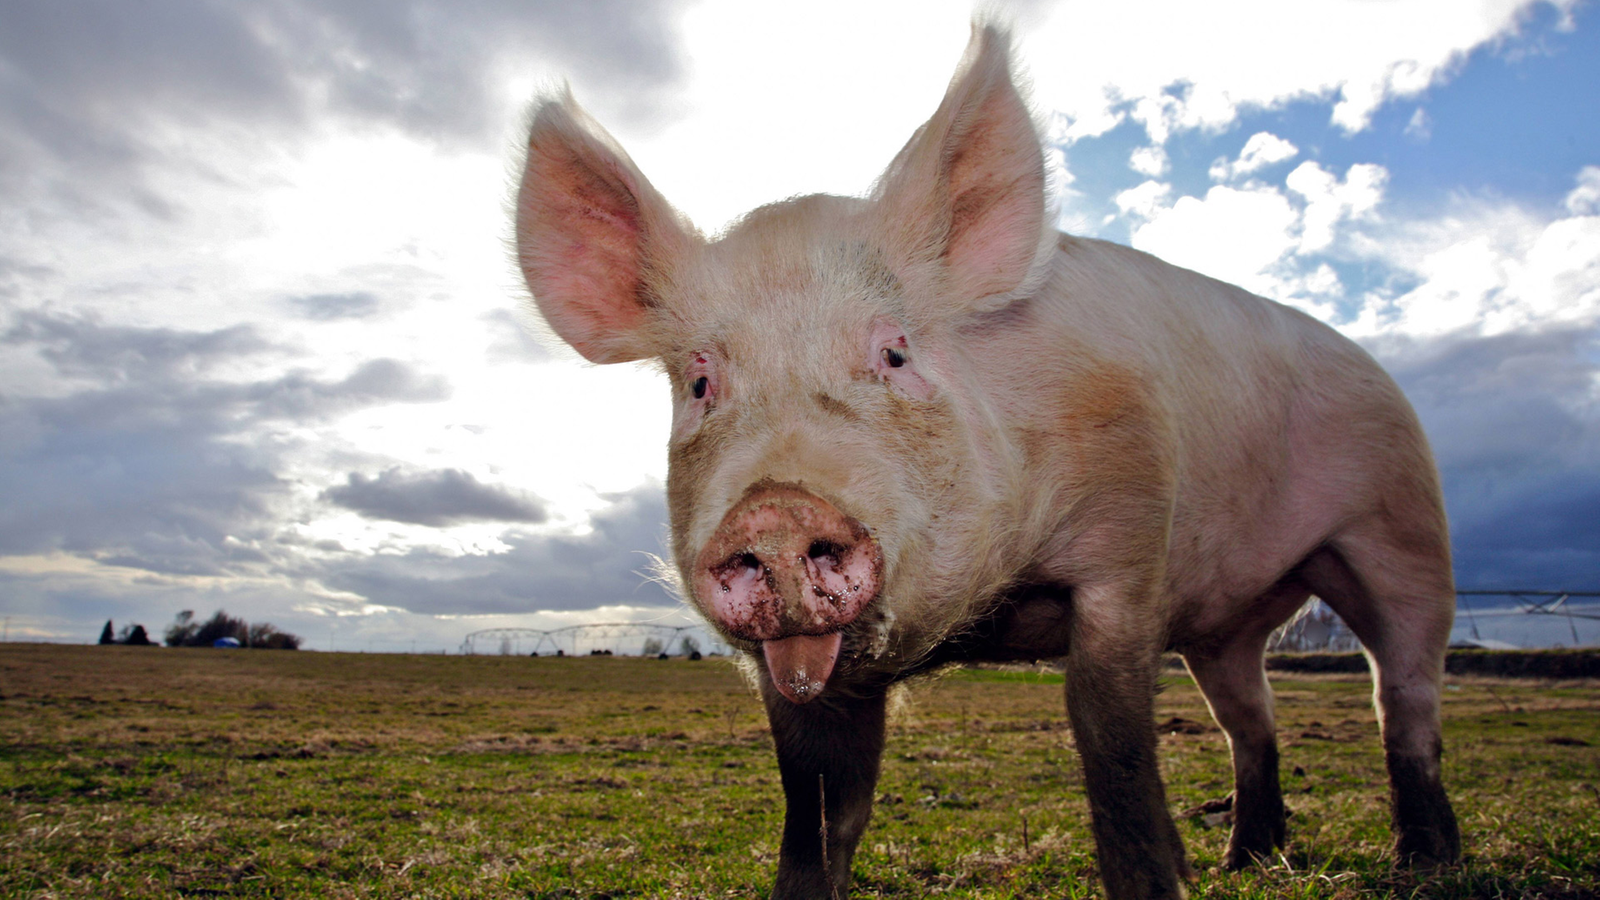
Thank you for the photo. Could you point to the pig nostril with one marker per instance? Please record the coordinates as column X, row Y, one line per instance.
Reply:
column 743, row 561
column 825, row 550
column 740, row 569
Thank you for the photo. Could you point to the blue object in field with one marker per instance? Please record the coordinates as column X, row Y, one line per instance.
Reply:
column 225, row 642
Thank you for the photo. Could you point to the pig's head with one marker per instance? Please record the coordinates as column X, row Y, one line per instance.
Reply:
column 835, row 480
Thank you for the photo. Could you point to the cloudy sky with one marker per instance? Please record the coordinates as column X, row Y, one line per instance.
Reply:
column 262, row 347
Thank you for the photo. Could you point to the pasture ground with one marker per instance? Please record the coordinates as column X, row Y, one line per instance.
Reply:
column 135, row 772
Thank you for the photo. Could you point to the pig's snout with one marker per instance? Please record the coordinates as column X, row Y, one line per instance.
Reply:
column 788, row 569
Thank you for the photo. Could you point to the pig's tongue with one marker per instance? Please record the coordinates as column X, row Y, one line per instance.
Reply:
column 800, row 665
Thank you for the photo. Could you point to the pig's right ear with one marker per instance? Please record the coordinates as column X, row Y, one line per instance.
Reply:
column 965, row 198
column 591, row 232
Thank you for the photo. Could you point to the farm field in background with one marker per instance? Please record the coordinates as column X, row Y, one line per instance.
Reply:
column 141, row 772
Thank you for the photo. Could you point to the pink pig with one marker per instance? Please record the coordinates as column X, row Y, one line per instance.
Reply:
column 924, row 428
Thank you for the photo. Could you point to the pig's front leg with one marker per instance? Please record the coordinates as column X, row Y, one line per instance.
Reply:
column 1111, row 668
column 828, row 754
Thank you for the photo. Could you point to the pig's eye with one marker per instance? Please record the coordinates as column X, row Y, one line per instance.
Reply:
column 701, row 377
column 892, row 363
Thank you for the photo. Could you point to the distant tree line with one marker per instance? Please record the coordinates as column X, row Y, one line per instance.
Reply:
column 186, row 631
column 132, row 635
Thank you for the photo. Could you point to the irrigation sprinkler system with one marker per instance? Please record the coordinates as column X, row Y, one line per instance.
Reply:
column 625, row 638
column 1307, row 632
column 1535, row 603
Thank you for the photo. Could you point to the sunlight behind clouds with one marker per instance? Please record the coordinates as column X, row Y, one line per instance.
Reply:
column 385, row 197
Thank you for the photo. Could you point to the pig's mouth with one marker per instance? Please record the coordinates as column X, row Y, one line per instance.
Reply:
column 787, row 569
column 800, row 665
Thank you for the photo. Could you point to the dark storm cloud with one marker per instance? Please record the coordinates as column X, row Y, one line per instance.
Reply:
column 300, row 396
column 1515, row 425
column 157, row 465
column 84, row 85
column 84, row 346
column 330, row 307
column 539, row 572
column 427, row 64
column 80, row 76
column 436, row 498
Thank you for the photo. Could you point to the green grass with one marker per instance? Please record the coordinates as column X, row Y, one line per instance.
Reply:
column 129, row 772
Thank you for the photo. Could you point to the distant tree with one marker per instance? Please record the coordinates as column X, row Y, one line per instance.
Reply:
column 107, row 636
column 186, row 632
column 266, row 636
column 652, row 647
column 219, row 626
column 181, row 632
column 136, row 636
column 691, row 647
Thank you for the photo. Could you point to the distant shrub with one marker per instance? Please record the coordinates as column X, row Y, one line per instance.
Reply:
column 186, row 632
column 132, row 635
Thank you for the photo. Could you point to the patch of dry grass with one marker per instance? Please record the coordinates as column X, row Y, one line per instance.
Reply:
column 131, row 772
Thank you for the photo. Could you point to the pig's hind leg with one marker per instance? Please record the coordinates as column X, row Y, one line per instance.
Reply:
column 1234, row 681
column 1392, row 585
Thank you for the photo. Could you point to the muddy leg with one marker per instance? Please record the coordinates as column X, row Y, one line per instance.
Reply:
column 1401, row 604
column 828, row 755
column 1235, row 687
column 1110, row 703
column 1407, row 697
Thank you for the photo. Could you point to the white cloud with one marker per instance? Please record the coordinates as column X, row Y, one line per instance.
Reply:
column 1584, row 200
column 1489, row 268
column 1151, row 161
column 1420, row 126
column 1330, row 201
column 1260, row 151
column 1143, row 201
column 1235, row 234
column 1258, row 235
column 1223, row 56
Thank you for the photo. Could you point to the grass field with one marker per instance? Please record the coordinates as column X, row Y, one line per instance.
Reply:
column 133, row 772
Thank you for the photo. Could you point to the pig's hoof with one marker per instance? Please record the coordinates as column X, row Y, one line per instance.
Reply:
column 1252, row 844
column 1241, row 858
column 1428, row 849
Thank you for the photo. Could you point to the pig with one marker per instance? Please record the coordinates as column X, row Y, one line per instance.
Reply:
column 924, row 428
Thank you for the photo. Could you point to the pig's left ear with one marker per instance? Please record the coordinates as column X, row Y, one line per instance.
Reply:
column 593, row 237
column 967, row 193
